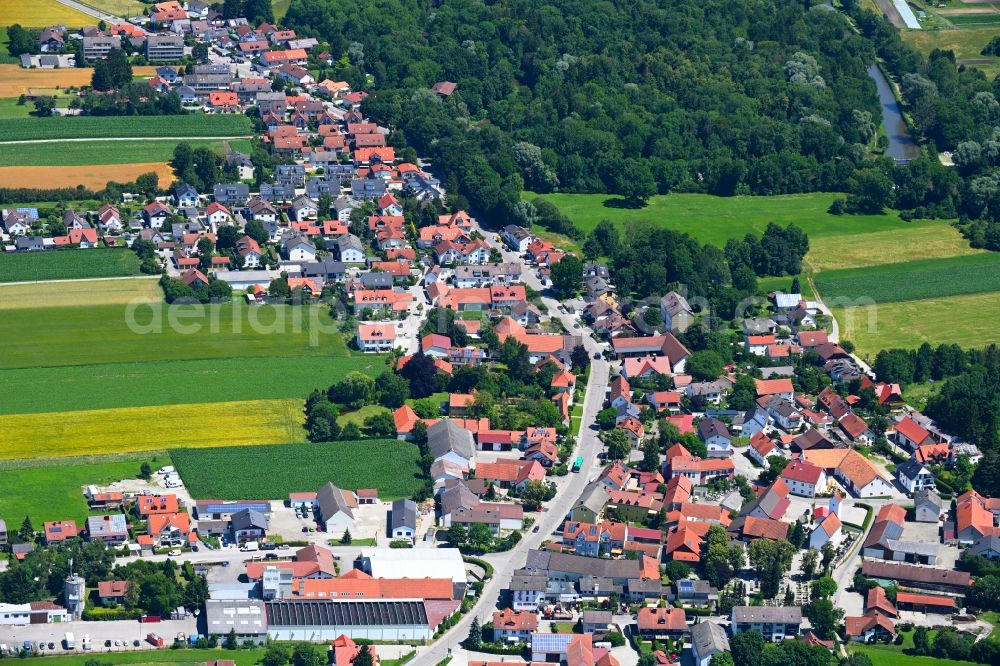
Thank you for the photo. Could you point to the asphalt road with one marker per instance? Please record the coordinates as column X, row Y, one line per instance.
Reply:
column 569, row 488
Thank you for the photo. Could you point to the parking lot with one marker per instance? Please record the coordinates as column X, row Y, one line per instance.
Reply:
column 124, row 631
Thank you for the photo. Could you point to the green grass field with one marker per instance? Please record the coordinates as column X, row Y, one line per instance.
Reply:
column 974, row 20
column 114, row 385
column 924, row 240
column 79, row 153
column 717, row 219
column 271, row 472
column 914, row 280
column 887, row 655
column 53, row 490
column 77, row 293
column 969, row 321
column 102, row 334
column 67, row 265
column 96, row 127
column 165, row 657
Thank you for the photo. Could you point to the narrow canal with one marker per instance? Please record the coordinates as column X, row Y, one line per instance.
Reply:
column 902, row 147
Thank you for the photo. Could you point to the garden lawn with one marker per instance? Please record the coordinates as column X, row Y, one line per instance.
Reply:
column 715, row 220
column 67, row 265
column 94, row 432
column 80, row 293
column 40, row 13
column 271, row 472
column 886, row 655
column 87, row 127
column 81, row 153
column 115, row 385
column 168, row 657
column 358, row 416
column 970, row 321
column 53, row 491
column 913, row 280
column 920, row 241
column 46, row 337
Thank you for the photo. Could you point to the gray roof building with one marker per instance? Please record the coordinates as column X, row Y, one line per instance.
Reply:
column 248, row 519
column 331, row 501
column 572, row 566
column 707, row 639
column 767, row 614
column 446, row 437
column 404, row 516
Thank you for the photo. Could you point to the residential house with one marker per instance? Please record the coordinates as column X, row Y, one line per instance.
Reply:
column 914, row 477
column 761, row 448
column 514, row 626
column 676, row 312
column 247, row 525
column 775, row 623
column 854, row 471
column 707, row 640
column 350, row 249
column 594, row 540
column 111, row 529
column 927, row 506
column 58, row 531
column 803, row 478
column 661, row 623
column 871, row 627
column 298, row 248
column 716, row 436
column 112, row 592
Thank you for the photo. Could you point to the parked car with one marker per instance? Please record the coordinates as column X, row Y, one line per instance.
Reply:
column 174, row 552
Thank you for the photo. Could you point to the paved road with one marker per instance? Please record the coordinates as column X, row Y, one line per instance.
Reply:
column 569, row 488
column 107, row 18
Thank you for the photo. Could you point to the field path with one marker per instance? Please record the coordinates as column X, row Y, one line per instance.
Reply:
column 107, row 18
column 103, row 279
column 835, row 328
column 130, row 138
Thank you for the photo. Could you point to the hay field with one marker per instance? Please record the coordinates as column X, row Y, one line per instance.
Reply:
column 94, row 176
column 95, row 432
column 14, row 80
column 969, row 321
column 40, row 13
column 921, row 241
column 76, row 293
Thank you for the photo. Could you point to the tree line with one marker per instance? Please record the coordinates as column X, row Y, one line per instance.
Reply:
column 632, row 98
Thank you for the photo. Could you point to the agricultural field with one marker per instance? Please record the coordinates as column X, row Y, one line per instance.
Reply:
column 51, row 490
column 887, row 655
column 116, row 385
column 717, row 219
column 164, row 657
column 14, row 80
column 94, row 432
column 271, row 472
column 94, row 176
column 40, row 13
column 102, row 152
column 79, row 293
column 926, row 240
column 94, row 127
column 970, row 321
column 45, row 337
column 123, row 8
column 914, row 280
column 67, row 264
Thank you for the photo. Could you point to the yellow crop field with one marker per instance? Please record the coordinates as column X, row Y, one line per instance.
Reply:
column 40, row 13
column 922, row 241
column 15, row 80
column 74, row 293
column 61, row 434
column 93, row 176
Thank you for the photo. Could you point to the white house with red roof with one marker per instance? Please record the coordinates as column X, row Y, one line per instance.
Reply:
column 803, row 478
column 376, row 338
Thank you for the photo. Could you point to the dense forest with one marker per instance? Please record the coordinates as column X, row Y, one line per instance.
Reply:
column 630, row 97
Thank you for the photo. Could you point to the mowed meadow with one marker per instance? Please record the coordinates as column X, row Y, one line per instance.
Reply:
column 928, row 283
column 107, row 367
